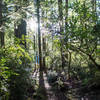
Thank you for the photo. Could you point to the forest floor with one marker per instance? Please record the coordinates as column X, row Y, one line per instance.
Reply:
column 47, row 92
column 50, row 93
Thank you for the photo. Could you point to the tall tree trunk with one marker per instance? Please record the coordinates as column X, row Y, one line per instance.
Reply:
column 34, row 40
column 1, row 24
column 39, row 34
column 69, row 65
column 52, row 51
column 94, row 5
column 61, row 29
column 62, row 53
column 44, row 53
column 66, row 17
column 34, row 43
column 66, row 32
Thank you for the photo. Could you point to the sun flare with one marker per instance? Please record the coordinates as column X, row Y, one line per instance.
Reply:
column 32, row 24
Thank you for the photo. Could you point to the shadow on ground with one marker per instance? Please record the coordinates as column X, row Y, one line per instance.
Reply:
column 46, row 92
column 42, row 94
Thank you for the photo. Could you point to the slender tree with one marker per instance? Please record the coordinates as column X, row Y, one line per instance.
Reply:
column 61, row 29
column 44, row 52
column 66, row 17
column 1, row 24
column 39, row 34
column 94, row 5
column 66, row 31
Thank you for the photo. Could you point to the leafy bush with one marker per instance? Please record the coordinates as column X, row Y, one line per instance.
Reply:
column 14, row 73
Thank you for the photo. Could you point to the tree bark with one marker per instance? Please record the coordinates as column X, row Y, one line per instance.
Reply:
column 34, row 42
column 66, row 32
column 69, row 65
column 94, row 62
column 94, row 5
column 61, row 30
column 1, row 25
column 66, row 17
column 44, row 53
column 39, row 34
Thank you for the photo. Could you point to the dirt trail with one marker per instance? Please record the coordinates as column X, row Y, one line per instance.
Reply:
column 50, row 93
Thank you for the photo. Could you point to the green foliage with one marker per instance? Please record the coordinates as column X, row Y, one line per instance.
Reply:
column 14, row 74
column 83, row 30
column 96, row 78
column 52, row 77
column 81, row 39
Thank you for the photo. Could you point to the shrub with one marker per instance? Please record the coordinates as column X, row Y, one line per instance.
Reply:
column 14, row 76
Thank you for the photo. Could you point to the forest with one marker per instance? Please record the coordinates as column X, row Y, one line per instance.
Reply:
column 49, row 49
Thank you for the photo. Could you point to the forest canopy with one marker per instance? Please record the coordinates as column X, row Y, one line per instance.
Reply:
column 57, row 40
